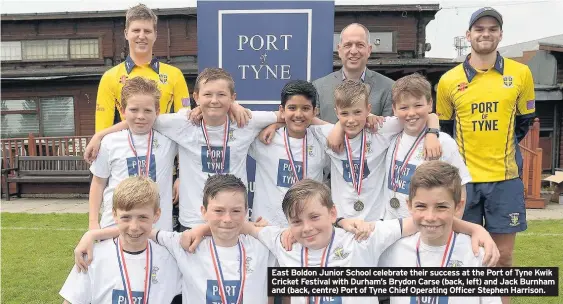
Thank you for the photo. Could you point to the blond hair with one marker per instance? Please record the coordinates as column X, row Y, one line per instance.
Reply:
column 414, row 85
column 351, row 92
column 303, row 191
column 211, row 74
column 136, row 192
column 140, row 86
column 140, row 12
column 436, row 174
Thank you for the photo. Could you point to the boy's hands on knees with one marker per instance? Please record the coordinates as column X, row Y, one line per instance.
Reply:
column 432, row 147
column 374, row 122
column 287, row 240
column 240, row 114
column 92, row 149
column 267, row 134
column 84, row 247
column 195, row 116
column 335, row 139
column 360, row 228
column 481, row 238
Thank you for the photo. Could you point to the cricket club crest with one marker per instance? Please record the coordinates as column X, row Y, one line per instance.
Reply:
column 507, row 80
column 231, row 134
column 514, row 219
column 310, row 150
column 339, row 253
column 248, row 267
column 368, row 147
column 163, row 78
column 455, row 263
column 155, row 143
column 153, row 274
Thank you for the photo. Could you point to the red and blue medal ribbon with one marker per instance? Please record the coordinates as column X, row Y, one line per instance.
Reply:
column 148, row 156
column 290, row 155
column 225, row 143
column 395, row 184
column 219, row 271
column 357, row 183
column 324, row 259
column 125, row 274
column 445, row 258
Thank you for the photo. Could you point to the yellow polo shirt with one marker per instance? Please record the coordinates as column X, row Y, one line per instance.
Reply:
column 171, row 82
column 484, row 105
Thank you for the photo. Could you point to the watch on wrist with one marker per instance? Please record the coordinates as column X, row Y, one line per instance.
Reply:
column 433, row 131
column 336, row 224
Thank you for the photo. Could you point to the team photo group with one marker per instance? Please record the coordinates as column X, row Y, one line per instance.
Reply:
column 353, row 169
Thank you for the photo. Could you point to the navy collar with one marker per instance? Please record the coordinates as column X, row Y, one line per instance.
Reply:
column 363, row 77
column 130, row 64
column 470, row 72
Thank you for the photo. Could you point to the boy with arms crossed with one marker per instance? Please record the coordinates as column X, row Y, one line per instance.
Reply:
column 138, row 150
column 434, row 200
column 217, row 146
column 412, row 103
column 130, row 268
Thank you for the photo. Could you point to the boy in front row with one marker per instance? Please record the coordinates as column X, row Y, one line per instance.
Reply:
column 129, row 268
column 241, row 262
column 434, row 200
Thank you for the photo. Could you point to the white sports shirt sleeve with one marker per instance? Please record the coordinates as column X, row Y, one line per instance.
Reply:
column 76, row 289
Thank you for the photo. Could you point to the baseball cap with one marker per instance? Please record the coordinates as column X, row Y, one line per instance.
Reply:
column 484, row 12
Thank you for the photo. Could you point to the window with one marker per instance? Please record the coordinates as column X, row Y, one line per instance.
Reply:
column 11, row 50
column 42, row 116
column 381, row 42
column 84, row 48
column 50, row 49
column 45, row 49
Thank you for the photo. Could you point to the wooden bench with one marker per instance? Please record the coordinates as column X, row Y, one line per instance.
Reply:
column 46, row 169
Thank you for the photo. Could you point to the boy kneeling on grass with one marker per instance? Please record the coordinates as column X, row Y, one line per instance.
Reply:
column 129, row 268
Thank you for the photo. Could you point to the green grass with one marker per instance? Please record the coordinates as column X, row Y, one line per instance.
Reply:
column 35, row 263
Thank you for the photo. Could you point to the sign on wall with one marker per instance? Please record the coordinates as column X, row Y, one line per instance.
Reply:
column 263, row 45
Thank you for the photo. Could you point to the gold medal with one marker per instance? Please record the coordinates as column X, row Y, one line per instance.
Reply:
column 394, row 202
column 358, row 205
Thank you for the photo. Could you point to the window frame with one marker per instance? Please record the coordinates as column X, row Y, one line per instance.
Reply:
column 36, row 96
column 58, row 37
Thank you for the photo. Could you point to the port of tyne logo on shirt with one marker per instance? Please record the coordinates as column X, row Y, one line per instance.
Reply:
column 402, row 181
column 346, row 170
column 120, row 297
column 211, row 162
column 286, row 178
column 133, row 166
column 213, row 294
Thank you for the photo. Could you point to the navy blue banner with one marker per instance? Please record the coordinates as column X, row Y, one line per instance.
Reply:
column 265, row 44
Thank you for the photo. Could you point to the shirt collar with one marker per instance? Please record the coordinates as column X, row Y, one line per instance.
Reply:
column 130, row 64
column 470, row 72
column 363, row 77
